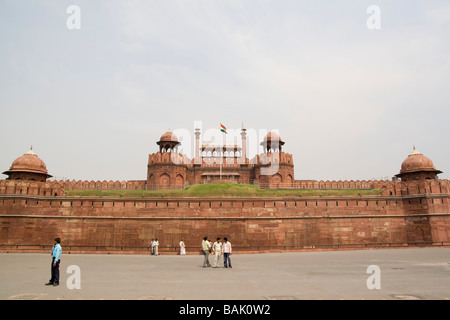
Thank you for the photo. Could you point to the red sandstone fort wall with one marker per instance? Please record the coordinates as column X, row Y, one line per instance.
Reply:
column 400, row 216
column 386, row 187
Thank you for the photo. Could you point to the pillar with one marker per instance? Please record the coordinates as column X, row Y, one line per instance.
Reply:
column 244, row 145
column 197, row 159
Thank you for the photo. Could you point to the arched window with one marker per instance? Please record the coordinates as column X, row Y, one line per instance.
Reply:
column 179, row 181
column 164, row 180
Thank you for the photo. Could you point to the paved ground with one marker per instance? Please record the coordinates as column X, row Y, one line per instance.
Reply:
column 420, row 273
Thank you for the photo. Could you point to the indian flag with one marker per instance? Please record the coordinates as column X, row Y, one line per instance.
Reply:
column 223, row 128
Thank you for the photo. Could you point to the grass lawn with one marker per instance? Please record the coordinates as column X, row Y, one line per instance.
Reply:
column 222, row 190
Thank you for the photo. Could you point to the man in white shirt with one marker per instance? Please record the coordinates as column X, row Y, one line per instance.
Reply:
column 156, row 246
column 217, row 248
column 226, row 248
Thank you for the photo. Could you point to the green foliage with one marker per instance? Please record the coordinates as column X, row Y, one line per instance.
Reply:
column 222, row 190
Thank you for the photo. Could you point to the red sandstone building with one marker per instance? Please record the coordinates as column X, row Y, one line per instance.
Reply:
column 417, row 167
column 411, row 210
column 28, row 167
column 167, row 169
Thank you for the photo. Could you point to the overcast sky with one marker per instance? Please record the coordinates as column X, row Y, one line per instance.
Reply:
column 348, row 101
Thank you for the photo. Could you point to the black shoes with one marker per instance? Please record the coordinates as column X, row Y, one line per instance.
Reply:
column 52, row 284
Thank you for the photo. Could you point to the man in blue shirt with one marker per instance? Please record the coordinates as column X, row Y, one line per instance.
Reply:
column 56, row 255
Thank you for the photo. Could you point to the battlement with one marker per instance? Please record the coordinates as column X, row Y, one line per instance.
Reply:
column 169, row 158
column 339, row 184
column 24, row 187
column 388, row 188
column 433, row 186
column 272, row 157
column 261, row 159
column 57, row 188
column 104, row 185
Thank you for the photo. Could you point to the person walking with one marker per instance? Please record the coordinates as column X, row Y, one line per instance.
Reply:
column 156, row 246
column 56, row 259
column 182, row 248
column 217, row 249
column 226, row 248
column 206, row 247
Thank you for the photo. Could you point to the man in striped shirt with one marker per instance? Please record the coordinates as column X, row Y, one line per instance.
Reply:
column 206, row 247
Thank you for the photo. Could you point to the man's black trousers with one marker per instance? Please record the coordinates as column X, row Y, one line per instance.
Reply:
column 55, row 272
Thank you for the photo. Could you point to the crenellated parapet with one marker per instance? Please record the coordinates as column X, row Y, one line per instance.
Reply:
column 35, row 188
column 168, row 158
column 339, row 184
column 415, row 187
column 387, row 187
column 58, row 187
column 272, row 157
column 103, row 185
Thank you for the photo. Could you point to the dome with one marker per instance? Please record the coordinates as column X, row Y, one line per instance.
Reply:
column 272, row 141
column 272, row 136
column 415, row 162
column 169, row 136
column 168, row 142
column 417, row 167
column 29, row 163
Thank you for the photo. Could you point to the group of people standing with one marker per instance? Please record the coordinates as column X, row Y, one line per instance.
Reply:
column 217, row 249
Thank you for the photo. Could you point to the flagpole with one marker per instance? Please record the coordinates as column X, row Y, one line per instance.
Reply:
column 224, row 130
column 221, row 160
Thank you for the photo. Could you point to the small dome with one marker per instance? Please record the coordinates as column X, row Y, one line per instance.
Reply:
column 29, row 162
column 272, row 139
column 272, row 136
column 168, row 142
column 416, row 162
column 169, row 136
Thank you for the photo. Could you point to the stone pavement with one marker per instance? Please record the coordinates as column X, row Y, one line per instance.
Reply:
column 418, row 273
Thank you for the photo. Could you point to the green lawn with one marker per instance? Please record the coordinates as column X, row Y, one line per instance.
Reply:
column 222, row 190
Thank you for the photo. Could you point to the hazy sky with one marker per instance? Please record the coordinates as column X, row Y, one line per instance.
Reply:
column 349, row 102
